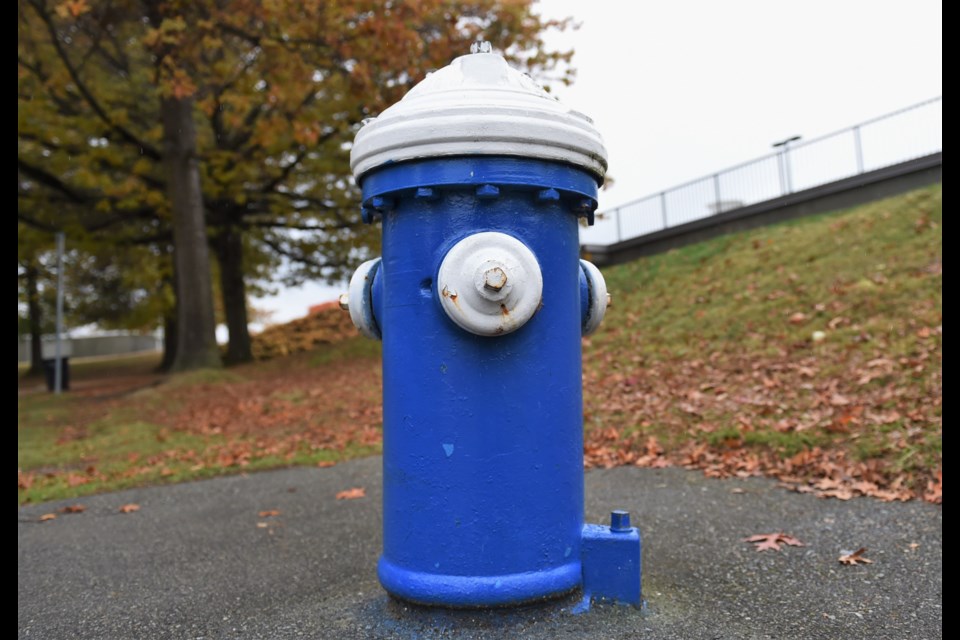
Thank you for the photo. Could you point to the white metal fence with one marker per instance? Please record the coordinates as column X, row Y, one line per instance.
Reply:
column 912, row 132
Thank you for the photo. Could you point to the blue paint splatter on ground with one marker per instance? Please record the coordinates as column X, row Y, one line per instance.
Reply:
column 583, row 606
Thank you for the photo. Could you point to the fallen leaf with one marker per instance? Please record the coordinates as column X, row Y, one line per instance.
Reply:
column 263, row 525
column 48, row 517
column 839, row 400
column 269, row 513
column 773, row 541
column 797, row 318
column 75, row 479
column 24, row 480
column 323, row 464
column 129, row 508
column 934, row 492
column 73, row 508
column 352, row 494
column 856, row 557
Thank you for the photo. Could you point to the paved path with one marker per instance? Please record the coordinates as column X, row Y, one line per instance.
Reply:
column 193, row 563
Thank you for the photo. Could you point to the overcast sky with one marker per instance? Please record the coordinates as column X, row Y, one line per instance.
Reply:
column 681, row 89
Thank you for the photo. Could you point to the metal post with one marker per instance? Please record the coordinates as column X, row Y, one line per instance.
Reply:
column 663, row 207
column 616, row 212
column 786, row 167
column 716, row 193
column 783, row 160
column 783, row 184
column 58, row 349
column 859, row 148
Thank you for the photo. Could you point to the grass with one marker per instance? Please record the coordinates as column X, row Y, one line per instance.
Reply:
column 106, row 435
column 821, row 334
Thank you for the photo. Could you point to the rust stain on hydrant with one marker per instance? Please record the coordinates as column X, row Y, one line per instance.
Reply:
column 452, row 295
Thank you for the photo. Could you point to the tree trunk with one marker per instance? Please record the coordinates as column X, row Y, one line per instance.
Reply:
column 196, row 327
column 35, row 316
column 169, row 341
column 228, row 246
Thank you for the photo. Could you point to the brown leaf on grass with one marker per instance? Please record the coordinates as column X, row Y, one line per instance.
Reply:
column 934, row 492
column 269, row 513
column 129, row 508
column 74, row 508
column 839, row 400
column 47, row 517
column 855, row 558
column 323, row 464
column 352, row 494
column 773, row 541
column 797, row 318
column 75, row 479
column 24, row 480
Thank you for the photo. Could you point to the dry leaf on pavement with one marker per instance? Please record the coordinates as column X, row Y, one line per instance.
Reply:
column 129, row 508
column 74, row 508
column 773, row 541
column 855, row 558
column 269, row 513
column 352, row 494
column 48, row 517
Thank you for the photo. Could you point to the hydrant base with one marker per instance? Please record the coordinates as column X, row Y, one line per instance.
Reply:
column 477, row 591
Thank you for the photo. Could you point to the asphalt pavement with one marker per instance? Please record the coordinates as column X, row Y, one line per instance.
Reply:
column 198, row 560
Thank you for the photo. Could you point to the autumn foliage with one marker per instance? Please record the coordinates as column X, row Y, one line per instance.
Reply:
column 133, row 114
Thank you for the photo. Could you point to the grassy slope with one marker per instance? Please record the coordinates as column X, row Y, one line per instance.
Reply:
column 716, row 345
column 707, row 359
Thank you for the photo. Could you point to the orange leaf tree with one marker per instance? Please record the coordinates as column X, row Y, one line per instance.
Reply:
column 276, row 90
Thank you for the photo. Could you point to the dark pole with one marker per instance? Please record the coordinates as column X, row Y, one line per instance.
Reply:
column 58, row 343
column 783, row 148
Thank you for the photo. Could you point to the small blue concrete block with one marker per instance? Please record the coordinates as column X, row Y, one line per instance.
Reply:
column 611, row 562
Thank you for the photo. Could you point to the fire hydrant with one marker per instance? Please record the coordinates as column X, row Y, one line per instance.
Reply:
column 480, row 299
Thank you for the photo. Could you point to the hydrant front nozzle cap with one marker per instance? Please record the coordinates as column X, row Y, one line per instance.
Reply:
column 479, row 105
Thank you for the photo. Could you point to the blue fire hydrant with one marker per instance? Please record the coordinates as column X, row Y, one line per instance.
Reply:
column 480, row 298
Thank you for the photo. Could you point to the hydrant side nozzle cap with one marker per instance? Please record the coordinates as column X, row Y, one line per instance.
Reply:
column 479, row 105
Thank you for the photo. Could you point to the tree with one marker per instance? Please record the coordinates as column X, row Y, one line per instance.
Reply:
column 31, row 249
column 275, row 93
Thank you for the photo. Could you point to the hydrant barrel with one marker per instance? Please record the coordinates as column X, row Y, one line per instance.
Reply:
column 480, row 179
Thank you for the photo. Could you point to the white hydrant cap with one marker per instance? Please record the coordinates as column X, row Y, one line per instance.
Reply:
column 479, row 105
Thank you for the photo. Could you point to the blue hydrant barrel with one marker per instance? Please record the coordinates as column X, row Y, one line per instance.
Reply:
column 481, row 300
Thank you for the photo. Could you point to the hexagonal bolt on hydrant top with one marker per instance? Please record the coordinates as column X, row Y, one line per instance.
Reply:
column 479, row 178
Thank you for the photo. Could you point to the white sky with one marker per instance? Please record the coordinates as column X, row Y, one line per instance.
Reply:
column 680, row 89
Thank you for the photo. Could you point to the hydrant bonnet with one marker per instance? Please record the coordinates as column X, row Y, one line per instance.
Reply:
column 479, row 105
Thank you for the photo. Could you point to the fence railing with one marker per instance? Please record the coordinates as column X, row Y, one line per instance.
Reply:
column 890, row 139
